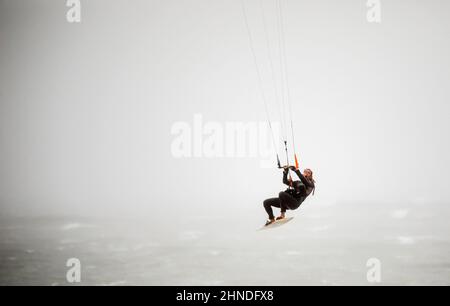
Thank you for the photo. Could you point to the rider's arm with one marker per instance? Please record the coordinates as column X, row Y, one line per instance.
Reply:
column 306, row 182
column 285, row 177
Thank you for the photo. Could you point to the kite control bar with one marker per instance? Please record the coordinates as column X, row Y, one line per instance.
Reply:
column 287, row 167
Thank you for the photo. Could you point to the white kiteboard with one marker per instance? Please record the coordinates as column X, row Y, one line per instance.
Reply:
column 277, row 223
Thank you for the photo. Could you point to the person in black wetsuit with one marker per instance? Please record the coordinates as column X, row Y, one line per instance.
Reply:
column 292, row 197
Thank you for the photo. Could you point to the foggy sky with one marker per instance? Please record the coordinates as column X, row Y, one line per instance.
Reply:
column 86, row 109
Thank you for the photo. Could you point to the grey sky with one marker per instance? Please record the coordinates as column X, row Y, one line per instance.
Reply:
column 86, row 109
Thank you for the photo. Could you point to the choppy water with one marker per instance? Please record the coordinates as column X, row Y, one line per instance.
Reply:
column 321, row 246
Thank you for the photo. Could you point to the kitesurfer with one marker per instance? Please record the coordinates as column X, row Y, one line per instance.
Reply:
column 292, row 197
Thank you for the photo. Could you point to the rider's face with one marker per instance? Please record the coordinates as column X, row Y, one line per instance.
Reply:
column 307, row 173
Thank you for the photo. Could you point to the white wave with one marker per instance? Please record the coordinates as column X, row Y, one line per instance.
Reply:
column 406, row 240
column 190, row 235
column 399, row 213
column 68, row 241
column 215, row 283
column 117, row 283
column 74, row 226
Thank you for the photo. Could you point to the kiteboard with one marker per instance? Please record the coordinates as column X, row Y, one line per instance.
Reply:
column 277, row 223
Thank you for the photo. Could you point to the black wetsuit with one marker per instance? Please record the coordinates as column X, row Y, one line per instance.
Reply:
column 291, row 198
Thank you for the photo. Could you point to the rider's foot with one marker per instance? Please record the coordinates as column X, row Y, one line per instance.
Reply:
column 269, row 222
column 281, row 217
